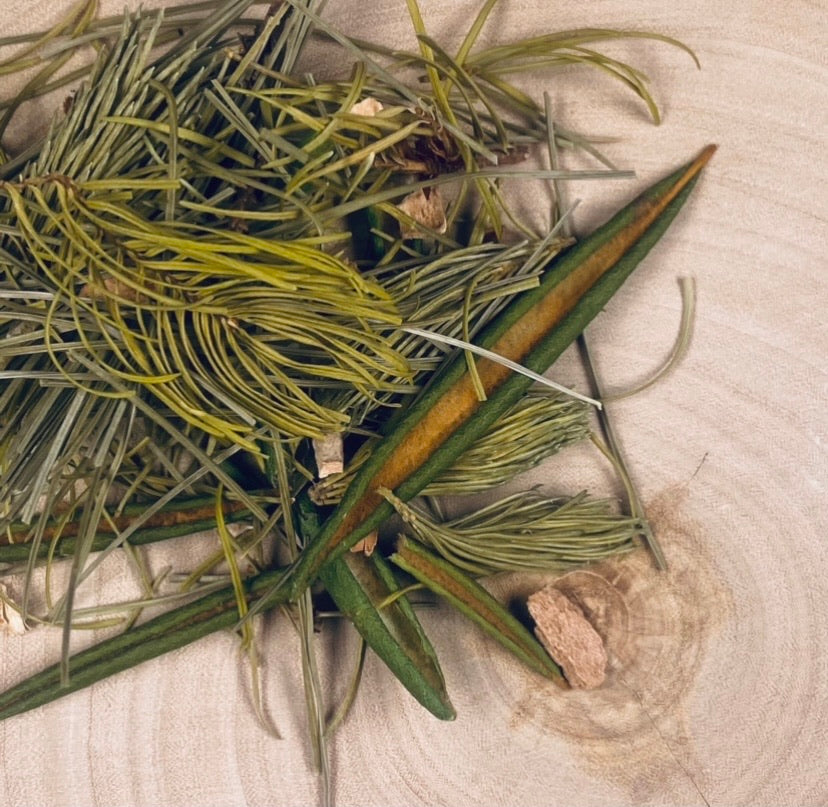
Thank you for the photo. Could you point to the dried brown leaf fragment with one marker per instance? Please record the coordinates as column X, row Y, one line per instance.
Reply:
column 111, row 287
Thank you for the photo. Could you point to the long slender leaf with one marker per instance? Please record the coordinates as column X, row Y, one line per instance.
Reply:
column 363, row 589
column 180, row 517
column 467, row 595
column 170, row 631
column 534, row 330
column 366, row 591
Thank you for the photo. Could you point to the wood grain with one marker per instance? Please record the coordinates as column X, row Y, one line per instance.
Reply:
column 718, row 682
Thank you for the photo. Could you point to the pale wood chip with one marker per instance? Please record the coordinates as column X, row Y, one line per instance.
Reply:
column 568, row 637
column 367, row 107
column 427, row 209
column 329, row 454
column 367, row 544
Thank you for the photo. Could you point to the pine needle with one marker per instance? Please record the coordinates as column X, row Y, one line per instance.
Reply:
column 205, row 265
column 524, row 532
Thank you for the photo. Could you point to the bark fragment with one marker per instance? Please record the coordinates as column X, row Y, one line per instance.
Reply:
column 568, row 637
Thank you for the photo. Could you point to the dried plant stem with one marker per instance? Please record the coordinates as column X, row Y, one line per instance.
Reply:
column 613, row 452
column 314, row 701
column 182, row 517
column 338, row 717
column 679, row 349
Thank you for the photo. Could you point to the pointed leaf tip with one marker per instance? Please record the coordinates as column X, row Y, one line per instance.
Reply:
column 364, row 590
column 704, row 156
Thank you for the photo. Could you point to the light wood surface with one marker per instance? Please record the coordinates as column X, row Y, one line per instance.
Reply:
column 718, row 687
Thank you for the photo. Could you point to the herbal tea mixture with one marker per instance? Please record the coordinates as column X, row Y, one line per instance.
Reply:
column 298, row 310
